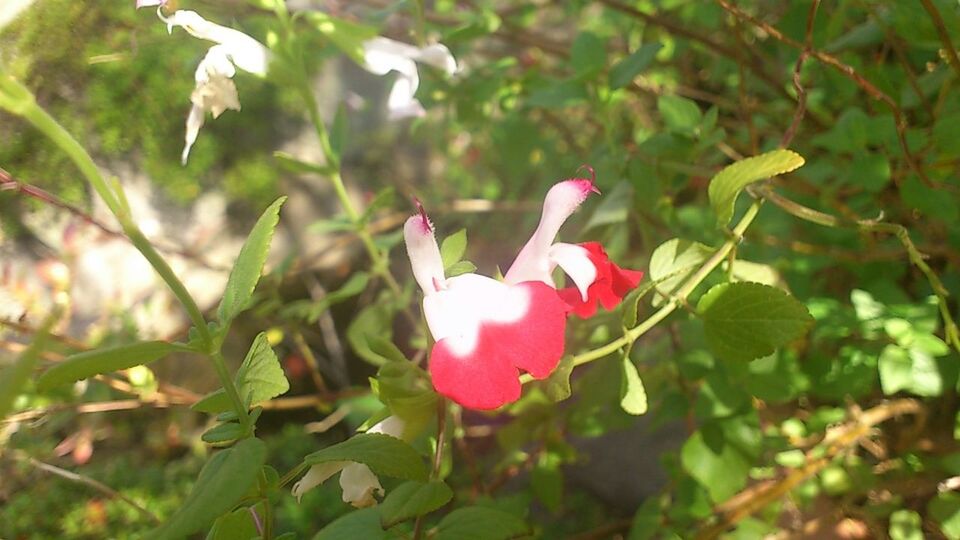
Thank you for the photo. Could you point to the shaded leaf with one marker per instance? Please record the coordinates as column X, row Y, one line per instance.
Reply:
column 412, row 499
column 624, row 72
column 360, row 524
column 480, row 523
column 744, row 321
column 557, row 385
column 384, row 455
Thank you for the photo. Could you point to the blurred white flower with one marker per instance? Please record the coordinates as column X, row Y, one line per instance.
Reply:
column 382, row 55
column 356, row 479
column 215, row 91
column 9, row 9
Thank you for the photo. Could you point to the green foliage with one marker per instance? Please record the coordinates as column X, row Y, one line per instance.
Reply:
column 412, row 499
column 87, row 364
column 479, row 523
column 633, row 397
column 744, row 321
column 728, row 183
column 249, row 264
column 222, row 483
column 384, row 455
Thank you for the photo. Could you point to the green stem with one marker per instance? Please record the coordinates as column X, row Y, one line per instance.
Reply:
column 676, row 299
column 231, row 388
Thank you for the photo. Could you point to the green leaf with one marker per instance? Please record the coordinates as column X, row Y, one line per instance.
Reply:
column 345, row 35
column 373, row 320
column 719, row 455
column 945, row 510
column 360, row 524
column 906, row 525
column 557, row 385
column 222, row 484
column 546, row 480
column 911, row 369
column 588, row 54
column 613, row 208
column 726, row 185
column 236, row 524
column 459, row 268
column 384, row 455
column 15, row 377
column 222, row 433
column 744, row 321
column 673, row 262
column 260, row 376
column 680, row 114
column 214, row 402
column 338, row 131
column 383, row 199
column 386, row 349
column 246, row 270
column 412, row 499
column 90, row 363
column 453, row 247
column 294, row 165
column 480, row 523
column 624, row 72
column 633, row 398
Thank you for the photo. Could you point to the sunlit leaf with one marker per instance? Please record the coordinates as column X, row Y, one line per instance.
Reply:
column 89, row 363
column 384, row 455
column 728, row 183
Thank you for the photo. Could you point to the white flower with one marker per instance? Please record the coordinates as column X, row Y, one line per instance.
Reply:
column 382, row 55
column 356, row 479
column 215, row 91
column 10, row 9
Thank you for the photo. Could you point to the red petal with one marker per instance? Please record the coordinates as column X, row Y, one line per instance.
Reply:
column 610, row 286
column 487, row 376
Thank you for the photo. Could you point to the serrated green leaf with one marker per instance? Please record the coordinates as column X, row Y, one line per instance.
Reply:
column 222, row 484
column 222, row 433
column 412, row 499
column 673, row 262
column 480, row 523
column 754, row 272
column 744, row 321
column 624, row 72
column 633, row 397
column 384, row 455
column 357, row 525
column 726, row 185
column 249, row 264
column 557, row 385
column 453, row 247
column 260, row 376
column 98, row 361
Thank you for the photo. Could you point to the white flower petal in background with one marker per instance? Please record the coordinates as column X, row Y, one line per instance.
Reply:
column 382, row 55
column 10, row 9
column 359, row 484
column 215, row 90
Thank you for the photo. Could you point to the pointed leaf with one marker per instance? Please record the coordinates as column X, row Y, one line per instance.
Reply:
column 673, row 262
column 246, row 270
column 360, row 524
column 222, row 484
column 453, row 247
column 384, row 455
column 624, row 72
column 633, row 397
column 261, row 377
column 214, row 402
column 480, row 523
column 95, row 362
column 744, row 321
column 557, row 385
column 14, row 377
column 412, row 499
column 728, row 183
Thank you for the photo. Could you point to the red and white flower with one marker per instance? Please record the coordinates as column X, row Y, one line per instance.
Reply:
column 487, row 331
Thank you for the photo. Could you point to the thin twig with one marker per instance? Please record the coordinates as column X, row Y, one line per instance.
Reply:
column 951, row 51
column 797, row 85
column 79, row 478
column 900, row 121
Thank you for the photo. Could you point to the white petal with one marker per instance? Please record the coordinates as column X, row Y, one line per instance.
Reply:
column 468, row 301
column 317, row 475
column 194, row 123
column 401, row 103
column 533, row 262
column 247, row 53
column 423, row 253
column 10, row 9
column 438, row 56
column 382, row 55
column 575, row 261
column 391, row 425
column 359, row 483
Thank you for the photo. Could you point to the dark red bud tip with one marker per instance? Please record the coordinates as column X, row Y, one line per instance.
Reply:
column 593, row 177
column 423, row 213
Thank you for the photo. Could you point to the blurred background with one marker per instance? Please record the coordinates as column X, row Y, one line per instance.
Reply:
column 655, row 95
